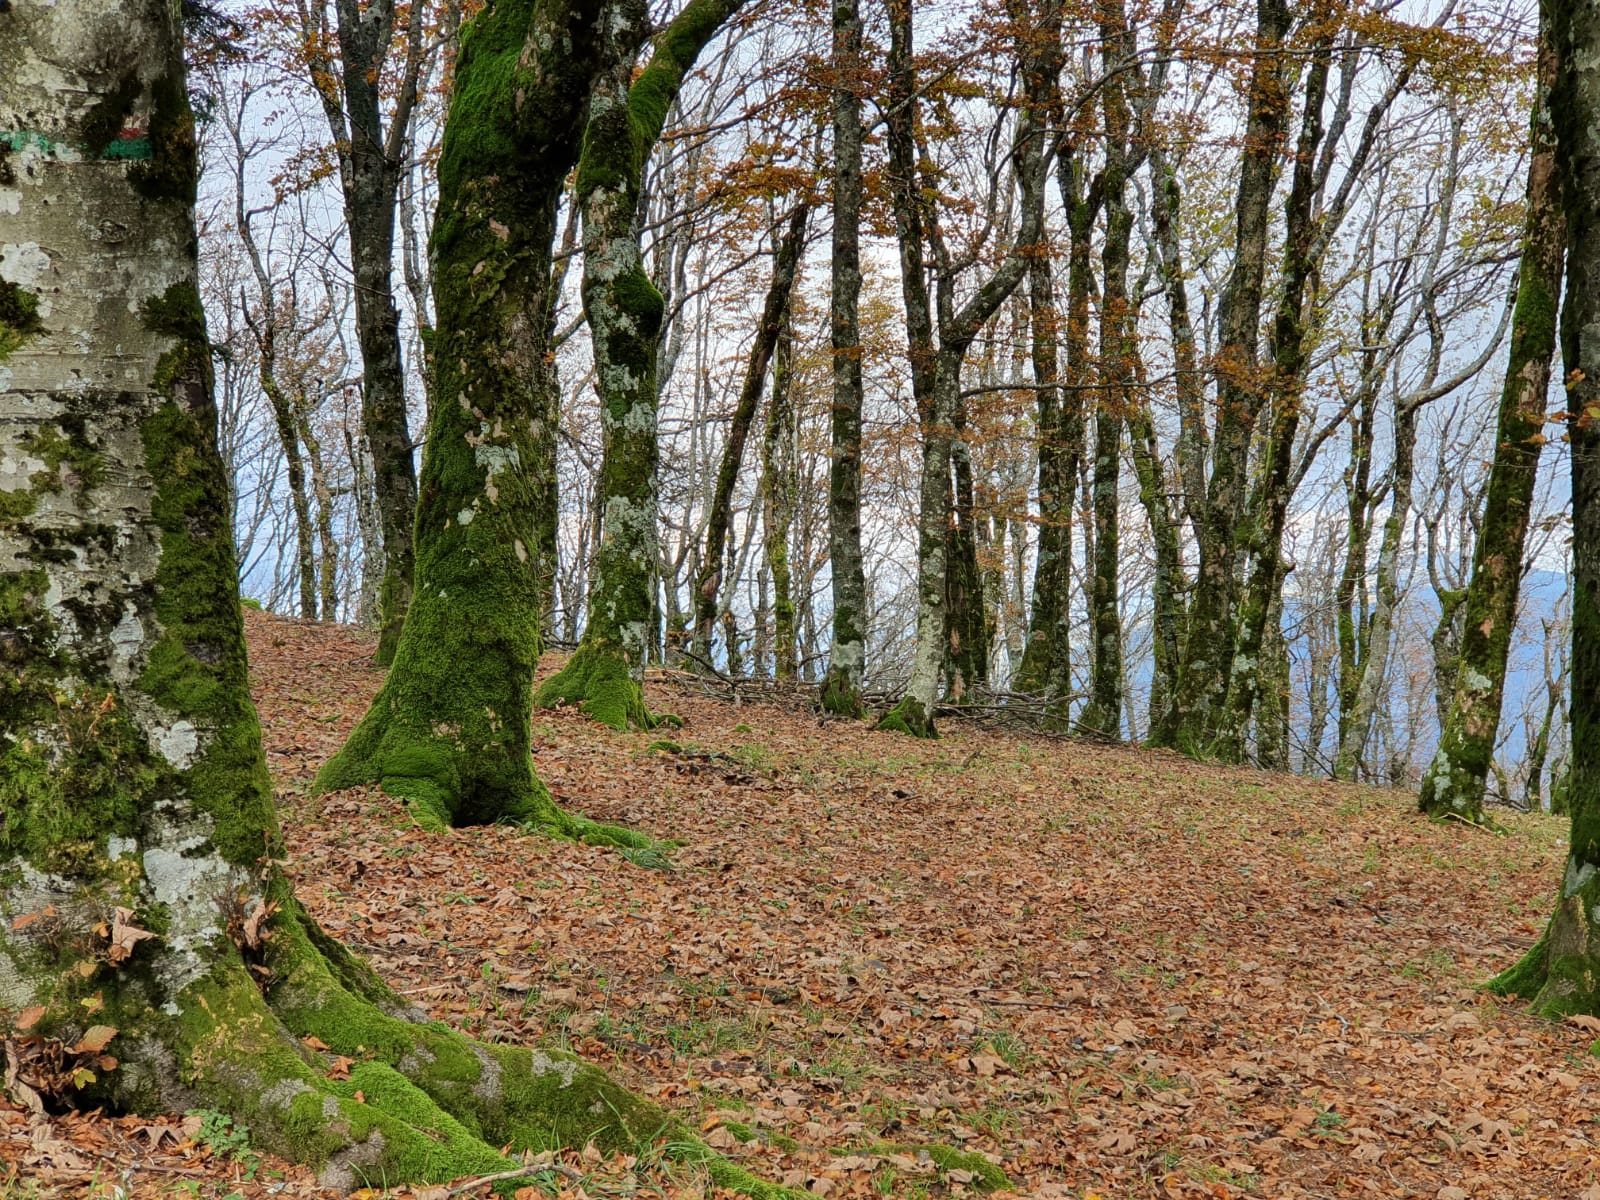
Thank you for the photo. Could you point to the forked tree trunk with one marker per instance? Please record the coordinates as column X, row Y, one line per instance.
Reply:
column 1191, row 720
column 139, row 842
column 449, row 731
column 936, row 374
column 847, row 652
column 625, row 313
column 1455, row 780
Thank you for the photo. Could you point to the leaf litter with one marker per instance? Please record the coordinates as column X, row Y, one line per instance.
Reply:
column 887, row 967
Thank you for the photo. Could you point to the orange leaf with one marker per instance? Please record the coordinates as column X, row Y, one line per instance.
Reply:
column 96, row 1040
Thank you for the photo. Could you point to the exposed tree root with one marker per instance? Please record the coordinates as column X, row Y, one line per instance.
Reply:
column 417, row 1102
column 598, row 681
column 909, row 717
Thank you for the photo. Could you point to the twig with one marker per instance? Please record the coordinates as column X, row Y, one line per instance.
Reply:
column 1470, row 824
column 519, row 1173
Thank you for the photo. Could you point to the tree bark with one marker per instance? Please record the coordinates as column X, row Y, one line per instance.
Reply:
column 449, row 731
column 625, row 313
column 133, row 787
column 1118, row 349
column 778, row 488
column 370, row 162
column 774, row 315
column 1191, row 720
column 1374, row 662
column 847, row 650
column 1563, row 969
column 936, row 374
column 1455, row 780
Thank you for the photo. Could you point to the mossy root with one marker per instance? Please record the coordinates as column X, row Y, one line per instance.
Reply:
column 598, row 681
column 909, row 717
column 420, row 1103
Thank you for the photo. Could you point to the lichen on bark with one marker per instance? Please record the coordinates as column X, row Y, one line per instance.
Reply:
column 449, row 731
column 131, row 769
column 624, row 312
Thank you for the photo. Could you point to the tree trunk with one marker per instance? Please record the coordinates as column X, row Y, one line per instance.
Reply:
column 1166, row 598
column 969, row 631
column 625, row 313
column 1375, row 662
column 328, row 563
column 936, row 375
column 774, row 315
column 1208, row 646
column 133, row 784
column 1563, row 969
column 1351, row 594
column 370, row 161
column 1454, row 782
column 778, row 490
column 449, row 731
column 1289, row 363
column 1118, row 348
column 847, row 651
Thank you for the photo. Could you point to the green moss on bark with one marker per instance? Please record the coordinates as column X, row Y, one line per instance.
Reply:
column 598, row 681
column 197, row 670
column 909, row 717
column 1526, row 977
column 19, row 318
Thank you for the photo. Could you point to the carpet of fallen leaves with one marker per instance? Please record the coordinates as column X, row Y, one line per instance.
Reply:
column 1110, row 971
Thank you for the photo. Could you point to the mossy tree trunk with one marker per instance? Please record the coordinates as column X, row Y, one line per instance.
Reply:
column 1454, row 782
column 1289, row 354
column 138, row 841
column 969, row 628
column 936, row 373
column 1563, row 970
column 774, row 315
column 847, row 651
column 1118, row 350
column 1191, row 718
column 625, row 313
column 449, row 731
column 1047, row 661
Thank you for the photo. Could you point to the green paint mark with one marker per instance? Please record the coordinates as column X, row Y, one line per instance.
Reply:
column 122, row 149
column 129, row 148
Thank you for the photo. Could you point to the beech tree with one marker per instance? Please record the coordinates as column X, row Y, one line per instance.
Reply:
column 1455, row 780
column 1562, row 971
column 140, row 844
column 450, row 729
column 936, row 365
column 348, row 54
column 841, row 689
column 625, row 312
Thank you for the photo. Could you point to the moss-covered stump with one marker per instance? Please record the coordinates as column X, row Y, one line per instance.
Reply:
column 597, row 681
column 909, row 717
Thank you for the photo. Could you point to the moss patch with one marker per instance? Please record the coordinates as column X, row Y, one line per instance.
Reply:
column 909, row 717
column 19, row 318
column 598, row 681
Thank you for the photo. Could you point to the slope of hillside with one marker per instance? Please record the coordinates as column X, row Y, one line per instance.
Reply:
column 1109, row 972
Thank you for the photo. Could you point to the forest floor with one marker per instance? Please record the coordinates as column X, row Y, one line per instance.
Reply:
column 1111, row 971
